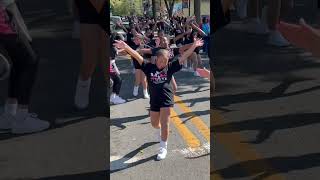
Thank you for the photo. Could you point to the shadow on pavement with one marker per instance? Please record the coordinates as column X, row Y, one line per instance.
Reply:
column 193, row 114
column 119, row 165
column 84, row 176
column 276, row 92
column 118, row 122
column 267, row 126
column 194, row 100
column 278, row 164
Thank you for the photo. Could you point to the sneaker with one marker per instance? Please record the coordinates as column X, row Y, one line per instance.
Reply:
column 196, row 74
column 146, row 94
column 82, row 95
column 6, row 120
column 190, row 69
column 135, row 91
column 28, row 123
column 276, row 39
column 162, row 153
column 117, row 100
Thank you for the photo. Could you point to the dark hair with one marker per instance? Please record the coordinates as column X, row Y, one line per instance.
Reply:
column 204, row 19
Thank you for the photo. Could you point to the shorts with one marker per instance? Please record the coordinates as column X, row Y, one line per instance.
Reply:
column 89, row 15
column 156, row 108
column 136, row 65
column 157, row 103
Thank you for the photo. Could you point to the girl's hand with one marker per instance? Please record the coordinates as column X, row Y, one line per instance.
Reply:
column 198, row 42
column 120, row 44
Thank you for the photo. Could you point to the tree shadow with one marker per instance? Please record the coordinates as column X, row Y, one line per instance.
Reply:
column 194, row 101
column 193, row 114
column 263, row 168
column 98, row 175
column 198, row 89
column 267, row 126
column 123, row 165
column 276, row 92
column 118, row 122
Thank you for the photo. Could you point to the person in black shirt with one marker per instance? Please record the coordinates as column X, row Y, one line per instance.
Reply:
column 161, row 94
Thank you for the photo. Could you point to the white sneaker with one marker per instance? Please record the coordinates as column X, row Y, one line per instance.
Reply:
column 276, row 39
column 6, row 120
column 117, row 100
column 81, row 99
column 162, row 153
column 28, row 123
column 146, row 94
column 196, row 74
column 190, row 69
column 135, row 90
column 254, row 26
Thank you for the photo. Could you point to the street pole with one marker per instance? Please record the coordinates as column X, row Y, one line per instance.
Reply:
column 160, row 8
column 189, row 7
column 154, row 9
column 197, row 13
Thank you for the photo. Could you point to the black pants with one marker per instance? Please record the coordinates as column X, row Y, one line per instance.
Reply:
column 24, row 65
column 117, row 81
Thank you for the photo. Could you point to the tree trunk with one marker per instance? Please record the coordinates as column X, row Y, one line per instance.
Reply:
column 197, row 13
column 154, row 9
column 169, row 7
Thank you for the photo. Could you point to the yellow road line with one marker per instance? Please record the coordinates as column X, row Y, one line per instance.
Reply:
column 241, row 151
column 196, row 120
column 186, row 134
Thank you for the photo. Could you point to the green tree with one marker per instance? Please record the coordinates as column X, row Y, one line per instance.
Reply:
column 120, row 8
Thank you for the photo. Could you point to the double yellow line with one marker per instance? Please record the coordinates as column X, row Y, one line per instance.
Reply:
column 191, row 140
column 232, row 141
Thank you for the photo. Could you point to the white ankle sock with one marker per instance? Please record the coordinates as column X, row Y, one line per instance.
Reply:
column 164, row 144
column 10, row 108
